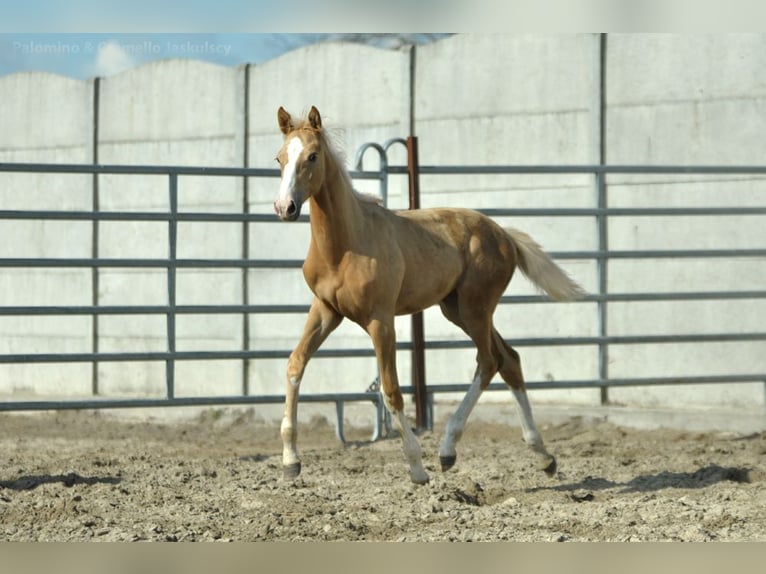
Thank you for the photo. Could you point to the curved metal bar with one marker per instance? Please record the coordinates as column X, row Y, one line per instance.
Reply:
column 383, row 166
column 389, row 142
column 359, row 158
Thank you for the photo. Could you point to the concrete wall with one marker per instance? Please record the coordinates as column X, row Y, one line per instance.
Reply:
column 45, row 118
column 522, row 100
column 475, row 99
column 687, row 99
column 172, row 112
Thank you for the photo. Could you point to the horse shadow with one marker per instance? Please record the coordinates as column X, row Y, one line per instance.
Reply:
column 255, row 457
column 30, row 482
column 703, row 477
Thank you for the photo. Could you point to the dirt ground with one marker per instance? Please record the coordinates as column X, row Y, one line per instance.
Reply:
column 89, row 476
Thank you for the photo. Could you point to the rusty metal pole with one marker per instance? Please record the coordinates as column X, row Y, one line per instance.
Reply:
column 418, row 345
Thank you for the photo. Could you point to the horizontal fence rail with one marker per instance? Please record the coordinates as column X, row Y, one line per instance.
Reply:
column 170, row 309
column 601, row 212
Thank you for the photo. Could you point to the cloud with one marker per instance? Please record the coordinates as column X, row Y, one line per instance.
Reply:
column 111, row 59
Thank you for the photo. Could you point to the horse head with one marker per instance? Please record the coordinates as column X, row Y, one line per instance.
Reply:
column 302, row 162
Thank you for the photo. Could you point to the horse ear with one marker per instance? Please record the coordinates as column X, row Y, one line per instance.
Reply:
column 285, row 121
column 315, row 120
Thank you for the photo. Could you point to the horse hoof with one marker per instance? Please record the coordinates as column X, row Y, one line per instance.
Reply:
column 550, row 470
column 291, row 471
column 421, row 480
column 447, row 462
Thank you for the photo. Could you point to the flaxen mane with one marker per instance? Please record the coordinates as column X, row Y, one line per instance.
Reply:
column 339, row 155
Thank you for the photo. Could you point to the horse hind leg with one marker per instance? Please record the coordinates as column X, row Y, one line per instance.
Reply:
column 456, row 424
column 478, row 327
column 510, row 371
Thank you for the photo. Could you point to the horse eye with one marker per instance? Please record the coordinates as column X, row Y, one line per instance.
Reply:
column 313, row 157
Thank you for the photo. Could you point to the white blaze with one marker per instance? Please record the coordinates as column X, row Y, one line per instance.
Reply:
column 286, row 186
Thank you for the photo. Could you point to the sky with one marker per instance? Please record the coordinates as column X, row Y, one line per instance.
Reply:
column 86, row 38
column 192, row 15
column 87, row 55
column 82, row 56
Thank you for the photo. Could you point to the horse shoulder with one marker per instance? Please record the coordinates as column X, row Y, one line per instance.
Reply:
column 352, row 287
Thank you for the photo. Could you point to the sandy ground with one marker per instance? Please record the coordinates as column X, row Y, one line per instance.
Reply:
column 88, row 476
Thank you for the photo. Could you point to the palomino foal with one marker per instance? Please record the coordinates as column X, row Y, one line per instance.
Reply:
column 369, row 264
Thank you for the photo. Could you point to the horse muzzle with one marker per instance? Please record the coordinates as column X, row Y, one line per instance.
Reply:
column 287, row 209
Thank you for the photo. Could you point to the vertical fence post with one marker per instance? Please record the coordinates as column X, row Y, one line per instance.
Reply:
column 603, row 285
column 418, row 345
column 245, row 127
column 603, row 219
column 172, row 255
column 94, row 249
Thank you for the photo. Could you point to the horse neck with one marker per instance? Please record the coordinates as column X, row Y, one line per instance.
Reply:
column 335, row 213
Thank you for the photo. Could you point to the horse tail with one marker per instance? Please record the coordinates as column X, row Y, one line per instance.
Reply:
column 541, row 270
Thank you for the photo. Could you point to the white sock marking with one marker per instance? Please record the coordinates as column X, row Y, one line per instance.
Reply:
column 411, row 448
column 458, row 420
column 528, row 428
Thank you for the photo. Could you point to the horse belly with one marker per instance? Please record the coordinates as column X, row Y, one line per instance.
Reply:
column 434, row 258
column 427, row 286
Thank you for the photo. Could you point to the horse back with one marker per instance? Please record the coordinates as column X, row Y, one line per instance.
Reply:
column 441, row 247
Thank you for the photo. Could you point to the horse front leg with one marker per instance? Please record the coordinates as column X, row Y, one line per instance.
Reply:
column 384, row 339
column 321, row 321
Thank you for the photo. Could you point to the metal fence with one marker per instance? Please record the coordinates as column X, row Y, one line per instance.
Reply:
column 603, row 255
column 171, row 310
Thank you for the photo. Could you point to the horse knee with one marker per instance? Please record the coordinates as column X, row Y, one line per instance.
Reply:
column 295, row 368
